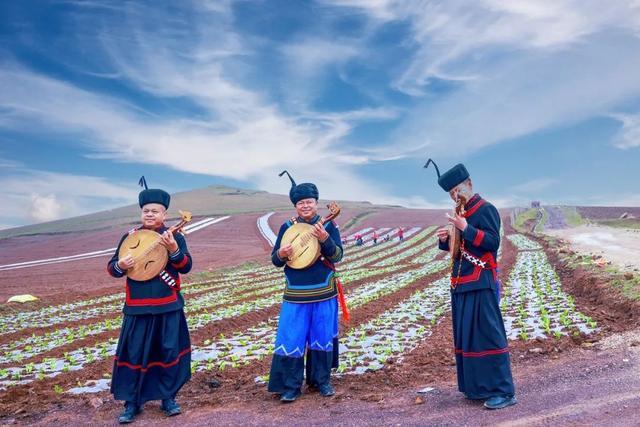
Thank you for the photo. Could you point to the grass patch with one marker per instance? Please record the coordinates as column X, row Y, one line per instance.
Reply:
column 523, row 218
column 627, row 283
column 632, row 224
column 630, row 287
column 353, row 221
column 539, row 228
column 204, row 275
column 572, row 216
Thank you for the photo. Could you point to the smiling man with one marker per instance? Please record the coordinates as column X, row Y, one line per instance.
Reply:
column 308, row 323
column 153, row 356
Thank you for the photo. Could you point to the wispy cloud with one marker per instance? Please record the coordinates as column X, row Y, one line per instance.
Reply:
column 523, row 66
column 535, row 185
column 10, row 164
column 231, row 130
column 629, row 134
column 195, row 88
column 33, row 196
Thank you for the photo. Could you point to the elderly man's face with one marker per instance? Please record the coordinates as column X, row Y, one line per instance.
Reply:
column 464, row 189
column 307, row 208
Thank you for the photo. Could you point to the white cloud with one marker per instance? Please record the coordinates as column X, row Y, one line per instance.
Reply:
column 10, row 164
column 45, row 208
column 629, row 134
column 520, row 66
column 230, row 129
column 624, row 199
column 534, row 185
column 242, row 144
column 454, row 33
column 32, row 196
column 311, row 56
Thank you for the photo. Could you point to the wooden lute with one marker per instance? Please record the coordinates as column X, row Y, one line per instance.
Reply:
column 306, row 248
column 149, row 256
column 455, row 235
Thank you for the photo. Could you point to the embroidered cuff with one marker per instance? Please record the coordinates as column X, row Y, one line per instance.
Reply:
column 479, row 236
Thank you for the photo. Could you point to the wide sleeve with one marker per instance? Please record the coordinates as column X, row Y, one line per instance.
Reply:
column 112, row 265
column 443, row 245
column 275, row 259
column 181, row 259
column 331, row 248
column 486, row 235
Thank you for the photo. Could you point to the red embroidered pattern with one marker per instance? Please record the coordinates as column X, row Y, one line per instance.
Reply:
column 152, row 364
column 482, row 353
column 136, row 302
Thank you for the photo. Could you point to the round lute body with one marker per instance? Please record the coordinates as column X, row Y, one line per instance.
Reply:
column 306, row 248
column 455, row 239
column 149, row 256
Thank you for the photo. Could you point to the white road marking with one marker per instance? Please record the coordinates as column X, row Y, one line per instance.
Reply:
column 87, row 255
column 265, row 229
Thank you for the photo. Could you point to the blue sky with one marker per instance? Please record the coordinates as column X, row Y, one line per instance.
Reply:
column 541, row 100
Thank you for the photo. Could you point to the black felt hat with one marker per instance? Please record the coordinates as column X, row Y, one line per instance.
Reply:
column 452, row 177
column 302, row 191
column 152, row 195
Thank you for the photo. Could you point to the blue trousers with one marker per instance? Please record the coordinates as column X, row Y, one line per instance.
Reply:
column 305, row 329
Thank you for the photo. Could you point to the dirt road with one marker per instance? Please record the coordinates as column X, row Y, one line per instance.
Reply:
column 620, row 246
column 599, row 385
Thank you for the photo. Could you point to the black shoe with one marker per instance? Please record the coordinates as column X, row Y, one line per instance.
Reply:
column 499, row 402
column 290, row 396
column 170, row 407
column 326, row 390
column 129, row 414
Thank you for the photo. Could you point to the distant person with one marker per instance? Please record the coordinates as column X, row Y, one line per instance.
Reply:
column 481, row 348
column 153, row 356
column 308, row 323
column 359, row 241
column 375, row 238
column 401, row 234
column 386, row 238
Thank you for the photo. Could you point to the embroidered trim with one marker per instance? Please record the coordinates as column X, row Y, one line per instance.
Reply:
column 479, row 237
column 137, row 302
column 153, row 364
column 168, row 279
column 482, row 353
column 473, row 260
column 282, row 351
column 317, row 346
column 487, row 258
column 475, row 207
column 182, row 263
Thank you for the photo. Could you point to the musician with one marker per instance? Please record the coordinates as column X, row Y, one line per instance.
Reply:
column 481, row 351
column 308, row 323
column 153, row 356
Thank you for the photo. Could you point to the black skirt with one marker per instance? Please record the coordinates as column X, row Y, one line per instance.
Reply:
column 153, row 357
column 482, row 352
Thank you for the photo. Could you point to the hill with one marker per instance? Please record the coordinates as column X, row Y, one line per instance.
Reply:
column 209, row 201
